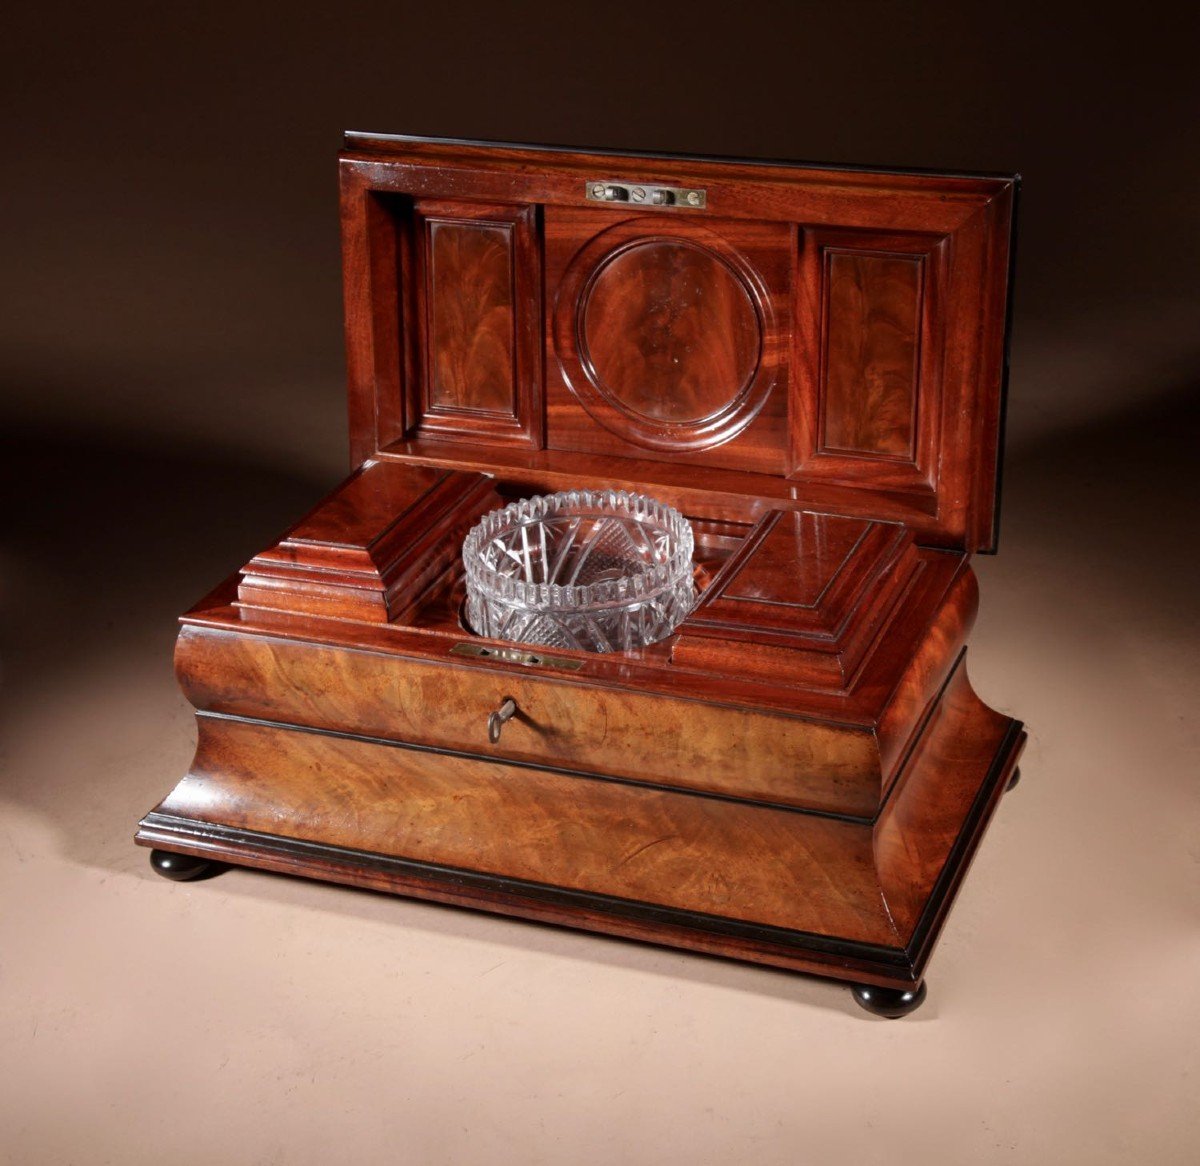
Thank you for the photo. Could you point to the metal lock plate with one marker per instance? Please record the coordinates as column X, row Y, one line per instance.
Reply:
column 516, row 656
column 645, row 194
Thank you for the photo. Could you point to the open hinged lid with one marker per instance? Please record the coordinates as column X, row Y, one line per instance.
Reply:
column 782, row 336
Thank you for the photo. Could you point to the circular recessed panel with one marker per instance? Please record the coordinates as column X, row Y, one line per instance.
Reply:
column 669, row 333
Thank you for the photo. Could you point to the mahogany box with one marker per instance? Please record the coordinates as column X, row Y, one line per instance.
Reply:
column 808, row 362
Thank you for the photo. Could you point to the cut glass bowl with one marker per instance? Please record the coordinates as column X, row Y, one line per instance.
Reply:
column 601, row 571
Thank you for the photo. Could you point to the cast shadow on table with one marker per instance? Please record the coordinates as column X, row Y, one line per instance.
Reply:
column 111, row 536
column 1120, row 490
column 526, row 938
column 107, row 539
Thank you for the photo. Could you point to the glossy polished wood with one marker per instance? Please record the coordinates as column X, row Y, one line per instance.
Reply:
column 882, row 393
column 471, row 337
column 804, row 240
column 872, row 331
column 810, row 368
column 607, row 838
column 794, row 648
column 372, row 546
column 803, row 600
column 472, row 282
column 669, row 331
column 771, row 885
column 432, row 627
column 564, row 721
column 681, row 357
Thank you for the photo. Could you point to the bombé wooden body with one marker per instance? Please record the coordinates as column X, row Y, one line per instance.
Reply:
column 809, row 363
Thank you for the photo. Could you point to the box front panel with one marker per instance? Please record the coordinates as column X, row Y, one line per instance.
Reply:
column 675, row 850
column 725, row 750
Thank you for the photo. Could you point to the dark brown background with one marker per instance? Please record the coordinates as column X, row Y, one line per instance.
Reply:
column 170, row 337
column 170, row 225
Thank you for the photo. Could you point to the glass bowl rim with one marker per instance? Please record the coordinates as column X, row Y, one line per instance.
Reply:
column 630, row 591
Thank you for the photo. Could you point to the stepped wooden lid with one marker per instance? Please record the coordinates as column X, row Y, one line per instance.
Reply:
column 713, row 331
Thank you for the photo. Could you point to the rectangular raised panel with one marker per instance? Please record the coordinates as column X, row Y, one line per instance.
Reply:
column 477, row 297
column 873, row 314
column 471, row 317
column 870, row 362
column 795, row 562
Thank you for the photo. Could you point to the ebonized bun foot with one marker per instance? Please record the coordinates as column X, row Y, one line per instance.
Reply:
column 891, row 1003
column 183, row 868
column 1012, row 781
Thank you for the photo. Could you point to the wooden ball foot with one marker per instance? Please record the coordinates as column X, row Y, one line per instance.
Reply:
column 183, row 868
column 891, row 1003
column 1012, row 781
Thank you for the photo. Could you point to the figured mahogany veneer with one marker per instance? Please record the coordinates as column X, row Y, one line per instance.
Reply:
column 856, row 900
column 872, row 357
column 618, row 840
column 804, row 600
column 878, row 302
column 666, row 343
column 367, row 551
column 480, row 351
column 669, row 332
column 810, row 367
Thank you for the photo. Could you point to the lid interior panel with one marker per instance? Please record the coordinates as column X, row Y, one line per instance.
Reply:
column 816, row 338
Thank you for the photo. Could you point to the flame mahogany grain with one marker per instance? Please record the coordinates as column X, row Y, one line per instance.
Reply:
column 474, row 279
column 811, row 368
column 699, row 305
column 471, row 338
column 669, row 331
column 872, row 358
column 920, row 262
